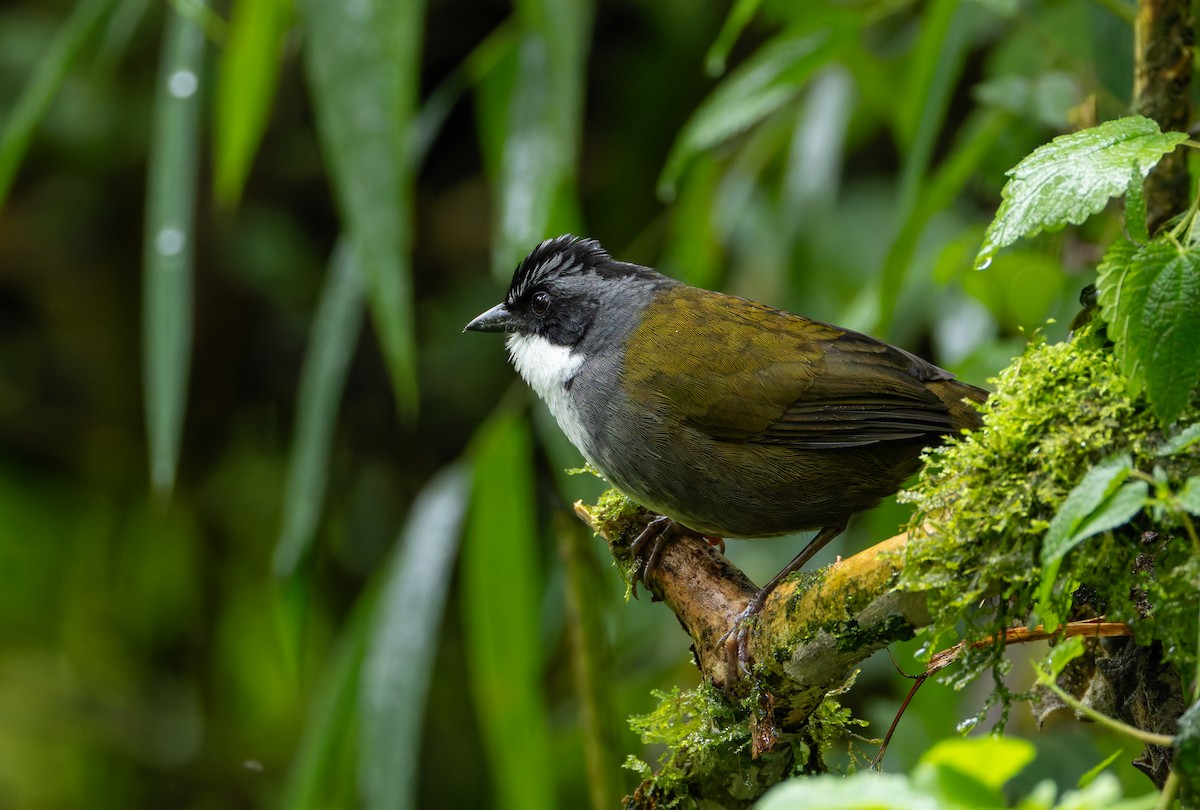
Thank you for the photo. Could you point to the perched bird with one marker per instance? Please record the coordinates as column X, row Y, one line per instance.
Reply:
column 728, row 417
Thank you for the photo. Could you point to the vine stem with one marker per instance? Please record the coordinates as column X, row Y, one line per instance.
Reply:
column 1146, row 737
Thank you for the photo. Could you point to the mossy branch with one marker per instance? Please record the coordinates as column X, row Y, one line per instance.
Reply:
column 813, row 629
column 811, row 633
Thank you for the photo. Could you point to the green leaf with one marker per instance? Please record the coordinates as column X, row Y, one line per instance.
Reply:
column 1187, row 748
column 1100, row 502
column 991, row 760
column 363, row 61
column 1099, row 768
column 1180, row 441
column 861, row 791
column 766, row 82
column 169, row 238
column 1151, row 302
column 1189, row 496
column 1122, row 283
column 334, row 333
column 501, row 590
column 1073, row 177
column 1117, row 510
column 314, row 781
column 246, row 80
column 30, row 107
column 1098, row 484
column 938, row 192
column 1062, row 654
column 1171, row 335
column 402, row 647
column 735, row 22
column 1135, row 209
column 541, row 135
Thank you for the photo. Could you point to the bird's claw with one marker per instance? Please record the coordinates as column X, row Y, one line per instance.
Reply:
column 655, row 534
column 736, row 640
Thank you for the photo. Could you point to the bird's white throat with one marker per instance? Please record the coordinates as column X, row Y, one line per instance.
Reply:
column 547, row 368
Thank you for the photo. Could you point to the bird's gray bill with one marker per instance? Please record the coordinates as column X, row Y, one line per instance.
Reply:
column 496, row 319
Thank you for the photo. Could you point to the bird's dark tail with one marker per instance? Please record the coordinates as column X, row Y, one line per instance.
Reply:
column 962, row 400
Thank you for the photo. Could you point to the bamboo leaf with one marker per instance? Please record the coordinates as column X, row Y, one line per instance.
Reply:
column 501, row 587
column 31, row 105
column 314, row 782
column 334, row 334
column 738, row 18
column 168, row 244
column 767, row 81
column 363, row 61
column 402, row 647
column 537, row 166
column 246, row 80
column 938, row 62
column 948, row 180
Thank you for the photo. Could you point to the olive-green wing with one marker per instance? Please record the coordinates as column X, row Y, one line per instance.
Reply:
column 714, row 361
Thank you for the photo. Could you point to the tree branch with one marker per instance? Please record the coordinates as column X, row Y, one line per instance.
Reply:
column 811, row 632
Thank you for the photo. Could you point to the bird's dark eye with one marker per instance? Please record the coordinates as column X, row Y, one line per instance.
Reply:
column 540, row 303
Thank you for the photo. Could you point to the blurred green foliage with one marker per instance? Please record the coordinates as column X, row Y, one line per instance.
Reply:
column 838, row 159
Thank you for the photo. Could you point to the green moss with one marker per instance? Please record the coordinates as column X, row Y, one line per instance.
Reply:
column 850, row 635
column 704, row 736
column 985, row 500
column 621, row 520
column 708, row 747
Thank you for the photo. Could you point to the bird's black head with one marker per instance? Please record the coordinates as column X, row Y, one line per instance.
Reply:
column 559, row 290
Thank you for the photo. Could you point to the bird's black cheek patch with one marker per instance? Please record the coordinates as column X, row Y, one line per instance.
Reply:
column 565, row 324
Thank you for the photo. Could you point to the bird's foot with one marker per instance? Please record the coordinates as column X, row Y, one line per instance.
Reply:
column 654, row 535
column 736, row 638
column 716, row 542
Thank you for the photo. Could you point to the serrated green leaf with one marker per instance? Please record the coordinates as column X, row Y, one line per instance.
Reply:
column 1124, row 282
column 169, row 242
column 1073, row 177
column 402, row 647
column 767, row 81
column 1171, row 324
column 248, row 73
column 363, row 61
column 1135, row 209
